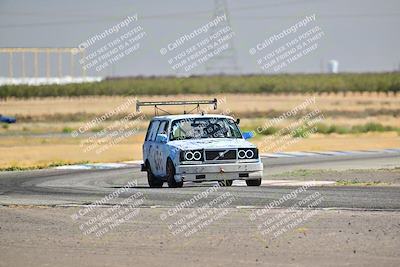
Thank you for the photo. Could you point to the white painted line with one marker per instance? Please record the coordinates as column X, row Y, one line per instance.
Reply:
column 286, row 154
column 246, row 207
column 366, row 151
column 286, row 183
column 277, row 155
column 392, row 150
column 326, row 153
column 302, row 154
column 295, row 183
column 73, row 167
column 332, row 153
column 108, row 165
column 269, row 155
column 133, row 162
column 93, row 166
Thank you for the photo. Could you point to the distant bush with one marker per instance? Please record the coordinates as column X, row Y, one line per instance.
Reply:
column 282, row 83
column 338, row 129
column 372, row 127
column 96, row 129
column 322, row 128
column 268, row 131
column 302, row 132
column 67, row 130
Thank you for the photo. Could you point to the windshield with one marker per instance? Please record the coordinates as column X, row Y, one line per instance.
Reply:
column 197, row 128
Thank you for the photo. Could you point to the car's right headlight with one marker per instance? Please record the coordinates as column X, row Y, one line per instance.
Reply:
column 248, row 153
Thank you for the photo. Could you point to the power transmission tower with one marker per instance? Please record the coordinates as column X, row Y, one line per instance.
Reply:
column 226, row 61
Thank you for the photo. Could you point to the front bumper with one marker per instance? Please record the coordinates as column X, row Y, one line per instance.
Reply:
column 218, row 172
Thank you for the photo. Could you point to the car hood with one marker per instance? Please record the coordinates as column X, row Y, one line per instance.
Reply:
column 211, row 143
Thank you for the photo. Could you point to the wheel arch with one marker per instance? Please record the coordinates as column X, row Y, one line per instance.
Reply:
column 171, row 160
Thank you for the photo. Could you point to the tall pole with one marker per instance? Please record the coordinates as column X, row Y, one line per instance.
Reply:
column 48, row 64
column 83, row 68
column 36, row 64
column 59, row 64
column 72, row 64
column 10, row 65
column 23, row 65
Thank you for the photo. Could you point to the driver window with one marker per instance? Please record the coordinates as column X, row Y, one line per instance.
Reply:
column 161, row 128
column 178, row 130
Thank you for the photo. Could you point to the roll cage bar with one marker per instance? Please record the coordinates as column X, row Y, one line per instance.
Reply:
column 156, row 105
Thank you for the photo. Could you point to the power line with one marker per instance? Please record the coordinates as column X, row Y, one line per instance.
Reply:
column 189, row 13
column 283, row 17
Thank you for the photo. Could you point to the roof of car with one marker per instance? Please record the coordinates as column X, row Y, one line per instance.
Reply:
column 188, row 116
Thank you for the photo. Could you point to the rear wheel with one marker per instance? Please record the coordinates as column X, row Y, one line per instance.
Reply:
column 153, row 180
column 171, row 175
column 255, row 182
column 225, row 183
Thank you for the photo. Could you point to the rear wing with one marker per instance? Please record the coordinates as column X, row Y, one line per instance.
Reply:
column 156, row 105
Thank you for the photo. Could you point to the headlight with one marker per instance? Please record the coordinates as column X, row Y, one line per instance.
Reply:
column 192, row 155
column 242, row 154
column 189, row 155
column 196, row 155
column 248, row 153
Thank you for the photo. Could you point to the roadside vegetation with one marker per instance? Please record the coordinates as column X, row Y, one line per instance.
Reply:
column 349, row 177
column 358, row 183
column 281, row 83
column 54, row 164
column 322, row 128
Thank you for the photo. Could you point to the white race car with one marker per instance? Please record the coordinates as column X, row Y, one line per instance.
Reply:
column 197, row 148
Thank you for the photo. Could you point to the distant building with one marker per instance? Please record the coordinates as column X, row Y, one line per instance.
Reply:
column 333, row 66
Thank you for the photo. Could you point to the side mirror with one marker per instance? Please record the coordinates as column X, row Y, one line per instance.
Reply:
column 161, row 138
column 248, row 135
column 237, row 121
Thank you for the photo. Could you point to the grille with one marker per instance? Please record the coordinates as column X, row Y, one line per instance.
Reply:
column 229, row 154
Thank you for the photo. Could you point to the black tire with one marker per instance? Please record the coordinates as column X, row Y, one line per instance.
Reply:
column 170, row 175
column 153, row 181
column 255, row 182
column 225, row 182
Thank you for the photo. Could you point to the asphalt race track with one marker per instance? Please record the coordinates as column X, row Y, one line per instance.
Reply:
column 346, row 226
column 64, row 187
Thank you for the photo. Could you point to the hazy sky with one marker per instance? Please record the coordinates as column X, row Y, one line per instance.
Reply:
column 362, row 35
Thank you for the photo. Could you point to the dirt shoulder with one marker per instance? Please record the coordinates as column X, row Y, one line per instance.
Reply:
column 48, row 236
column 348, row 177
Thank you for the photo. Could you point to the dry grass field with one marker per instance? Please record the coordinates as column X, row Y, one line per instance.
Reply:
column 28, row 151
column 20, row 144
column 238, row 103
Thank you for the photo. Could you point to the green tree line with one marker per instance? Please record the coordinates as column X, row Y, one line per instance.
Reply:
column 282, row 83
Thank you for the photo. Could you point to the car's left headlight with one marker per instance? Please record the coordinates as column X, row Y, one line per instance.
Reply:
column 248, row 153
column 192, row 155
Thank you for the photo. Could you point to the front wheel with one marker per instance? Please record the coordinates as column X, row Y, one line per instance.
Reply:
column 153, row 180
column 255, row 182
column 171, row 176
